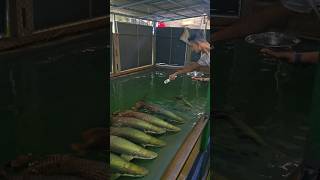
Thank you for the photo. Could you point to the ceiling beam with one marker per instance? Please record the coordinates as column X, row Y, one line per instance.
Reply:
column 177, row 4
column 136, row 3
column 138, row 11
column 162, row 9
column 175, row 9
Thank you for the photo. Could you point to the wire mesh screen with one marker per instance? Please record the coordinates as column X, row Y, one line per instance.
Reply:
column 170, row 49
column 135, row 43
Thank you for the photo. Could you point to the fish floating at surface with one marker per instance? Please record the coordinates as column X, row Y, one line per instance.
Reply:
column 125, row 168
column 122, row 146
column 137, row 136
column 157, row 109
column 151, row 119
column 120, row 121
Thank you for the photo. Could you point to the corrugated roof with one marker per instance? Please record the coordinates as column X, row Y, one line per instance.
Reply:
column 160, row 10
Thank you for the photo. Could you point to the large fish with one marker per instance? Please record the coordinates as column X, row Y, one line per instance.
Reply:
column 126, row 168
column 60, row 164
column 151, row 119
column 187, row 103
column 137, row 124
column 136, row 136
column 122, row 146
column 248, row 131
column 157, row 109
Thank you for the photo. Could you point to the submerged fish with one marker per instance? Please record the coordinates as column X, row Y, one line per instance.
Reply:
column 123, row 146
column 157, row 109
column 136, row 136
column 248, row 131
column 21, row 162
column 151, row 119
column 187, row 103
column 126, row 168
column 138, row 124
column 60, row 164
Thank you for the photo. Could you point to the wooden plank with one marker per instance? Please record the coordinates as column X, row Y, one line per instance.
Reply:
column 52, row 33
column 116, row 53
column 130, row 71
column 176, row 165
column 191, row 159
column 24, row 14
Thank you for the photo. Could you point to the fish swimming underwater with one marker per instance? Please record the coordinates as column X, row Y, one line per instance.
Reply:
column 157, row 109
column 125, row 168
column 60, row 164
column 136, row 136
column 137, row 124
column 187, row 103
column 151, row 119
column 122, row 146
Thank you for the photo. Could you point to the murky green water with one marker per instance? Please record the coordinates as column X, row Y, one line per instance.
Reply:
column 148, row 85
column 271, row 98
column 50, row 95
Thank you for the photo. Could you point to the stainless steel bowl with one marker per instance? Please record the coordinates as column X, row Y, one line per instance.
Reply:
column 272, row 40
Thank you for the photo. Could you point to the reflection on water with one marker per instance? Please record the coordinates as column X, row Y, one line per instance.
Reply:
column 50, row 94
column 272, row 101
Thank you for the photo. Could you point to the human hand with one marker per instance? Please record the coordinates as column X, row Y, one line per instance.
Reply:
column 287, row 55
column 200, row 79
column 173, row 76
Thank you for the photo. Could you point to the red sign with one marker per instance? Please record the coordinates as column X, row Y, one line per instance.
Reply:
column 161, row 25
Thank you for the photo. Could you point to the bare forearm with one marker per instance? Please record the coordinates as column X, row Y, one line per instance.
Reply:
column 188, row 68
column 305, row 57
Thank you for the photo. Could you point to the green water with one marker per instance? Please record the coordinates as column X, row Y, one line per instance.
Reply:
column 271, row 98
column 50, row 95
column 148, row 85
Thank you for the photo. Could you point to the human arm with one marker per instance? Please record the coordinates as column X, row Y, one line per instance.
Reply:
column 273, row 15
column 291, row 56
column 200, row 79
column 185, row 69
